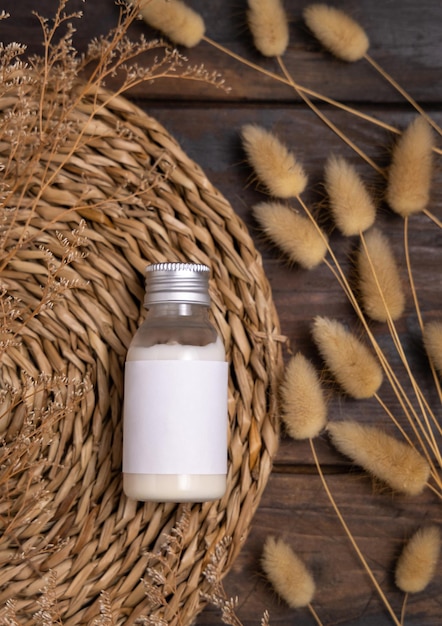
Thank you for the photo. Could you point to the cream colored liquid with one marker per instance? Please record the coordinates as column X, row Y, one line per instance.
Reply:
column 175, row 487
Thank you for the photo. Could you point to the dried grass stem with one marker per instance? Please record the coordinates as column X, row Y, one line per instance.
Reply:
column 351, row 538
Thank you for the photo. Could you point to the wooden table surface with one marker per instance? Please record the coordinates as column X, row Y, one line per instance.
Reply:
column 405, row 39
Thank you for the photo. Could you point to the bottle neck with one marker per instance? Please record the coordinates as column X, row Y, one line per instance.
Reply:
column 177, row 309
column 176, row 323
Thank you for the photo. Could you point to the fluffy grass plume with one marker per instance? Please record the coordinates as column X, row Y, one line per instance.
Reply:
column 304, row 410
column 417, row 563
column 275, row 166
column 287, row 573
column 409, row 176
column 350, row 361
column 433, row 343
column 293, row 233
column 337, row 32
column 379, row 282
column 394, row 462
column 352, row 207
column 269, row 26
column 176, row 20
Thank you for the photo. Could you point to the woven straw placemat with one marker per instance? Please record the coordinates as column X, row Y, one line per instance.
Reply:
column 71, row 543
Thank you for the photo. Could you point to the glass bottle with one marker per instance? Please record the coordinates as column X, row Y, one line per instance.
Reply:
column 175, row 398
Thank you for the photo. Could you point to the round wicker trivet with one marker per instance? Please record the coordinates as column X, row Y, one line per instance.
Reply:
column 71, row 543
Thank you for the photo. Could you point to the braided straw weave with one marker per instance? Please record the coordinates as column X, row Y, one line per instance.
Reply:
column 128, row 195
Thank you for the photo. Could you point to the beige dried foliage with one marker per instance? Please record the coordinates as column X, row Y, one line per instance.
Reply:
column 433, row 343
column 275, row 166
column 295, row 235
column 410, row 172
column 53, row 116
column 350, row 361
column 351, row 204
column 394, row 462
column 269, row 26
column 287, row 572
column 417, row 563
column 337, row 31
column 379, row 280
column 304, row 409
column 175, row 19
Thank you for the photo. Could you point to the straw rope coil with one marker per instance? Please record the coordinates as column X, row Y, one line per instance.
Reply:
column 128, row 195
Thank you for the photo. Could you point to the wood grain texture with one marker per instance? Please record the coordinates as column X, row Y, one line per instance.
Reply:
column 405, row 40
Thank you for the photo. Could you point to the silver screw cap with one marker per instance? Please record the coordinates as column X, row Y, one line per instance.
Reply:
column 177, row 282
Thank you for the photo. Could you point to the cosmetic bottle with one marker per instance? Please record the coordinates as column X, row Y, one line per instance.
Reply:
column 175, row 393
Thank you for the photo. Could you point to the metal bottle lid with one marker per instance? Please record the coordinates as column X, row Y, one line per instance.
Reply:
column 177, row 282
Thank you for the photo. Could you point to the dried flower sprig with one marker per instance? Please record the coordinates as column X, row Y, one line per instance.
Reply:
column 352, row 206
column 269, row 26
column 51, row 111
column 217, row 594
column 396, row 463
column 352, row 540
column 308, row 426
column 49, row 612
column 160, row 580
column 281, row 226
column 289, row 575
column 276, row 167
column 293, row 233
column 175, row 19
column 360, row 374
column 410, row 171
column 288, row 81
column 408, row 192
column 107, row 616
column 389, row 300
column 379, row 281
column 417, row 563
column 433, row 343
column 337, row 32
column 276, row 219
column 304, row 408
column 351, row 362
column 347, row 40
column 272, row 41
column 59, row 118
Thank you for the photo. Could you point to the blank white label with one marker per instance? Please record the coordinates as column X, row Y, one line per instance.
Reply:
column 175, row 417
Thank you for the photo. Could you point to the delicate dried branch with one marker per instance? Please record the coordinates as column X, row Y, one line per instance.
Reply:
column 217, row 594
